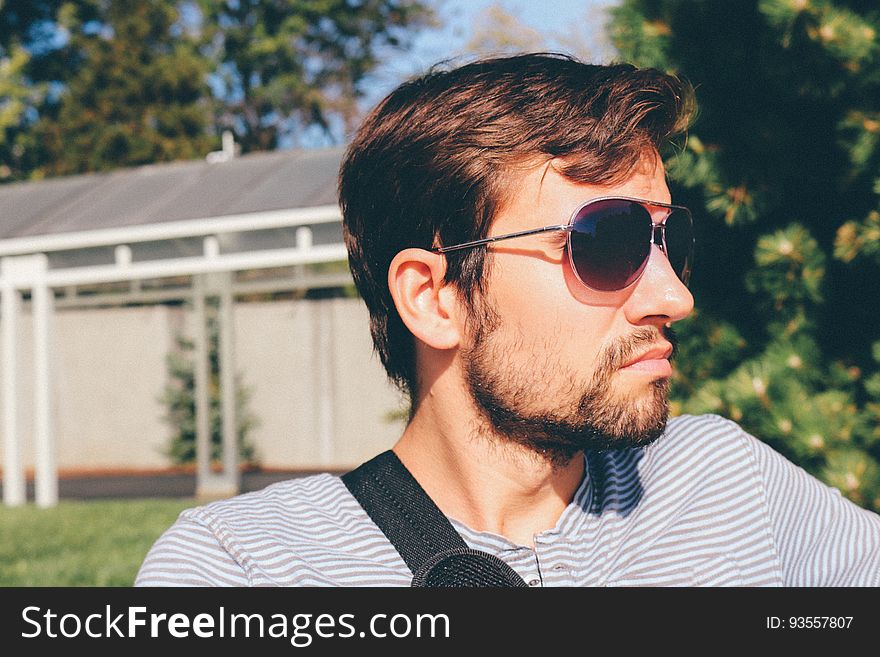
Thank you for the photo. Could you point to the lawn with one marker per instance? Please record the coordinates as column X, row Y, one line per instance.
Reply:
column 92, row 543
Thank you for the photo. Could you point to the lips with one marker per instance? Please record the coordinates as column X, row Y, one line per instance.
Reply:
column 653, row 361
column 660, row 351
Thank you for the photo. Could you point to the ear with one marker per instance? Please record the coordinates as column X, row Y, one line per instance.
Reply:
column 427, row 305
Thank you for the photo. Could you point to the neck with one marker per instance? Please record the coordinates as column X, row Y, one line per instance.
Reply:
column 482, row 479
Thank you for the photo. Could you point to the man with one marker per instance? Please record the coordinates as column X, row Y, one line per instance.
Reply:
column 510, row 228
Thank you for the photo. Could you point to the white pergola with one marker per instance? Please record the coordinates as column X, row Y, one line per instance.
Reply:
column 49, row 271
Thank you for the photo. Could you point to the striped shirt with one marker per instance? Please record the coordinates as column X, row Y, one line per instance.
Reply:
column 705, row 505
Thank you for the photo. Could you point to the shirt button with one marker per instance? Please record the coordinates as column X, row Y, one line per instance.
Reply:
column 534, row 582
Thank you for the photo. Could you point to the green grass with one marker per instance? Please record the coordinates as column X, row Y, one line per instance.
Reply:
column 94, row 543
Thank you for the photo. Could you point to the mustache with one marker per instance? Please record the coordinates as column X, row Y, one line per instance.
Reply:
column 624, row 349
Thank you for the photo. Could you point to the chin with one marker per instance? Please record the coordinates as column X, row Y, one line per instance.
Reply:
column 635, row 418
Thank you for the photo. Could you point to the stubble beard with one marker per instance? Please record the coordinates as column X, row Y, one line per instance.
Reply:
column 547, row 409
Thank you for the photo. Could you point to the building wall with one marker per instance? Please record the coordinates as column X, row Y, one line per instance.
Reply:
column 319, row 394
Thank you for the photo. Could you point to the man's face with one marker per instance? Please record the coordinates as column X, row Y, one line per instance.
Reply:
column 546, row 358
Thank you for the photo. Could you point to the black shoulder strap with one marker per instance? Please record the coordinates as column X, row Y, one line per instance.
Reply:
column 402, row 509
column 418, row 530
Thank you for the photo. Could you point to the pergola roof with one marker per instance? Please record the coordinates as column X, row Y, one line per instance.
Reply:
column 163, row 193
column 154, row 234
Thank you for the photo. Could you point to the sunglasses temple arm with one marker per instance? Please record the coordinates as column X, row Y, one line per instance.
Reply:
column 488, row 240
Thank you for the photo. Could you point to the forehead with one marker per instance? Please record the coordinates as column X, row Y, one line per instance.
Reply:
column 542, row 196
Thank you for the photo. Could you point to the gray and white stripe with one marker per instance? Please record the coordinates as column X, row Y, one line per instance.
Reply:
column 705, row 505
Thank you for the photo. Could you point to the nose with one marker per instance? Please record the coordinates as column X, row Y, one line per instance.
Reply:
column 659, row 296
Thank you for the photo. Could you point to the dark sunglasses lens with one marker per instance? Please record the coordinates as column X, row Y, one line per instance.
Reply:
column 610, row 242
column 680, row 243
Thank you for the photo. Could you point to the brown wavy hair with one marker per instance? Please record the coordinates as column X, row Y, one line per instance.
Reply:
column 432, row 163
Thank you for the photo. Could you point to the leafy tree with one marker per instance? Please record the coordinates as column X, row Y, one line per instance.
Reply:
column 22, row 24
column 136, row 94
column 498, row 30
column 782, row 167
column 95, row 84
column 16, row 96
column 282, row 65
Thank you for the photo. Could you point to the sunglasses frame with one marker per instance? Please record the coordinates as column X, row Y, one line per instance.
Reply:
column 568, row 228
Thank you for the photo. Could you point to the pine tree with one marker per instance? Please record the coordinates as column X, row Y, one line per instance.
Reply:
column 782, row 170
column 180, row 402
column 136, row 96
column 281, row 66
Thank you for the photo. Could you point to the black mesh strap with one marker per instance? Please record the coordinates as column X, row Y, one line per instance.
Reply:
column 418, row 530
column 402, row 509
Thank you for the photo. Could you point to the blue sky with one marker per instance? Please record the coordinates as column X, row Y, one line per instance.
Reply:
column 575, row 26
column 563, row 23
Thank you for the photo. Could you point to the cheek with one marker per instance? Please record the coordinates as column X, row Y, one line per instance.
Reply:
column 594, row 313
column 542, row 301
column 527, row 291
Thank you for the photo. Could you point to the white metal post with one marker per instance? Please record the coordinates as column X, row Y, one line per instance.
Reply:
column 227, row 383
column 304, row 243
column 201, row 385
column 46, row 468
column 14, row 490
column 324, row 367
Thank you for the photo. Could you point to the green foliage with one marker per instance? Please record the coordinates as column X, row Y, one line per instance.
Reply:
column 136, row 97
column 788, row 275
column 18, row 94
column 781, row 169
column 89, row 85
column 13, row 90
column 179, row 401
column 859, row 239
column 854, row 473
column 281, row 65
column 95, row 543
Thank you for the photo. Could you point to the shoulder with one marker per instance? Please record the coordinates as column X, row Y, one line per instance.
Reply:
column 698, row 457
column 701, row 443
column 286, row 514
column 283, row 502
column 711, row 446
column 234, row 541
column 702, row 432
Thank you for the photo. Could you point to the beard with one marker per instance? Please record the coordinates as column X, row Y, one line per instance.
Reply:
column 512, row 395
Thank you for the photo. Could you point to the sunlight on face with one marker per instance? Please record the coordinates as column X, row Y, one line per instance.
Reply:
column 544, row 364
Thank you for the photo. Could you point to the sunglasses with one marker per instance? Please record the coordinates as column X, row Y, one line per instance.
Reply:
column 609, row 240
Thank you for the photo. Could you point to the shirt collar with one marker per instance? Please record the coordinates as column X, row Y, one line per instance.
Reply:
column 568, row 525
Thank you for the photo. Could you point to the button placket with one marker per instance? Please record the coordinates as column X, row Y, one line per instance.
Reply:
column 532, row 568
column 553, row 569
